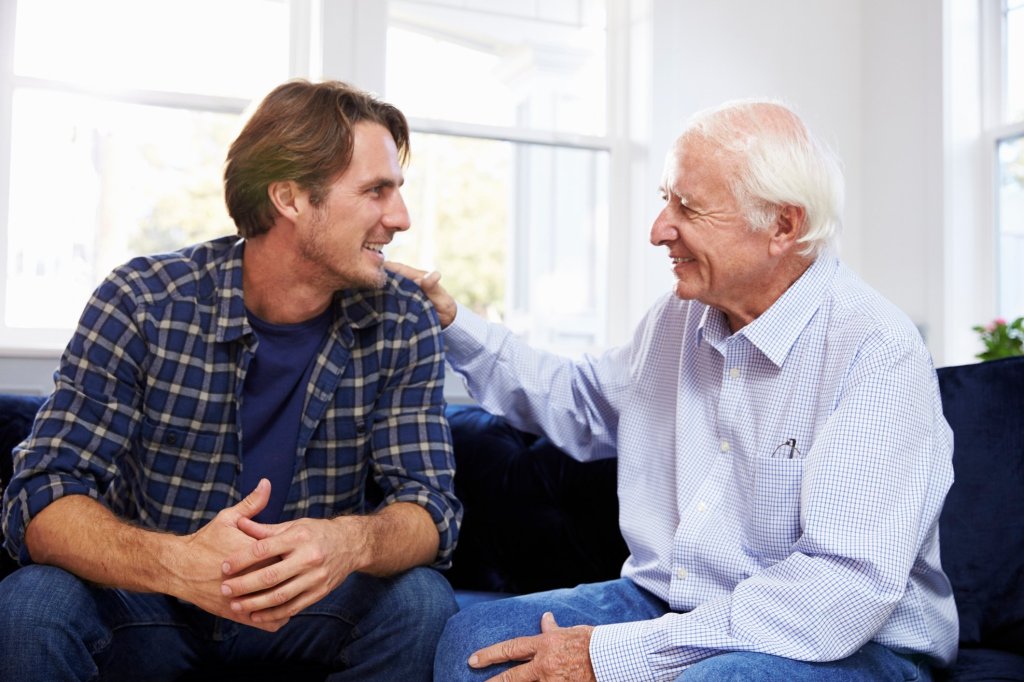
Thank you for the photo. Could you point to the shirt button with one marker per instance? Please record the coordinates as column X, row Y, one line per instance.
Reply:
column 681, row 573
column 734, row 372
column 702, row 506
column 724, row 447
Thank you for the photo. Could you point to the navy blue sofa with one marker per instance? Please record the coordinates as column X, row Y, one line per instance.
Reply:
column 524, row 499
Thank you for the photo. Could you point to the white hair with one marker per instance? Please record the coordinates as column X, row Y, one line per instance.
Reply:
column 778, row 163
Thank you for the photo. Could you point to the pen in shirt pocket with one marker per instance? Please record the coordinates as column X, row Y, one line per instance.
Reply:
column 787, row 450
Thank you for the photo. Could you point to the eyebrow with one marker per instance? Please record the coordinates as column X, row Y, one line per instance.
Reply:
column 383, row 181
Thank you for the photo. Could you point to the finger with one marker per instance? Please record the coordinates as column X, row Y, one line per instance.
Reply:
column 547, row 622
column 405, row 270
column 255, row 501
column 262, row 565
column 256, row 530
column 518, row 649
column 520, row 673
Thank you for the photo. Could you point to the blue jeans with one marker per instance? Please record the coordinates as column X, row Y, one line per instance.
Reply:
column 620, row 601
column 54, row 626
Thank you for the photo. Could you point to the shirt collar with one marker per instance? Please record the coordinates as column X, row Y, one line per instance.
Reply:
column 776, row 330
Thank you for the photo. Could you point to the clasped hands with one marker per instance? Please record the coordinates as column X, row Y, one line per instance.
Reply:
column 263, row 574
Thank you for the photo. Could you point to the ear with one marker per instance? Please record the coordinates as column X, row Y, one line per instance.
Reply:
column 788, row 228
column 284, row 195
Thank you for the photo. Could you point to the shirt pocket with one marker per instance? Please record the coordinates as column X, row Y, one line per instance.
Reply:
column 172, row 455
column 773, row 522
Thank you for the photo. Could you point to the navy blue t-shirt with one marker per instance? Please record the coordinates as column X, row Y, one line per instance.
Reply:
column 272, row 399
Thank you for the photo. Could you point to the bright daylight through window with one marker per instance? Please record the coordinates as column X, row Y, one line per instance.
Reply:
column 1010, row 165
column 121, row 115
column 508, row 185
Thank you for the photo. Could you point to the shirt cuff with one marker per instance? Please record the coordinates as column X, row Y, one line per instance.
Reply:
column 463, row 337
column 617, row 652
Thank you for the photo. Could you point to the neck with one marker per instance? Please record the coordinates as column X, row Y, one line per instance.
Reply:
column 774, row 286
column 270, row 285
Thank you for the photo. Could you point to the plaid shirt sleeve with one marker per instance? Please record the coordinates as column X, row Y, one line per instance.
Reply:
column 87, row 422
column 411, row 441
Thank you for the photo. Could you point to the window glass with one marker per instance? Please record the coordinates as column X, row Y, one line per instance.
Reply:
column 96, row 182
column 1015, row 61
column 1011, row 227
column 211, row 47
column 518, row 228
column 121, row 116
column 500, row 62
column 509, row 245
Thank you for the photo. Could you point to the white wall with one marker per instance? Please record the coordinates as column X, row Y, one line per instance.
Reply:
column 867, row 77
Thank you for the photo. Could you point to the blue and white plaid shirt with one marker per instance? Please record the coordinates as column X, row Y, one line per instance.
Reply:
column 145, row 413
column 779, row 487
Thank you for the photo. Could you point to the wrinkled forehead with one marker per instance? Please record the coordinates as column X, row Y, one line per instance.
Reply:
column 689, row 156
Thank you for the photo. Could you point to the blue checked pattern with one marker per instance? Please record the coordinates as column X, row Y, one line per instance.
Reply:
column 144, row 415
column 806, row 557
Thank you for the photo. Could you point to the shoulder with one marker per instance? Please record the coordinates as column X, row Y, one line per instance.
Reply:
column 399, row 301
column 868, row 325
column 188, row 272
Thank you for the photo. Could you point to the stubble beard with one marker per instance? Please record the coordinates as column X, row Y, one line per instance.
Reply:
column 314, row 250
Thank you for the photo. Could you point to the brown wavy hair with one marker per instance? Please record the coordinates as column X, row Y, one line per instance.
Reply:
column 301, row 131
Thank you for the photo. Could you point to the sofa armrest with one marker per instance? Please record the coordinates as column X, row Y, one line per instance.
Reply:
column 16, row 415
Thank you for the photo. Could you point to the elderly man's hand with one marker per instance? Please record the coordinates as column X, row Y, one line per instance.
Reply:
column 558, row 653
column 430, row 283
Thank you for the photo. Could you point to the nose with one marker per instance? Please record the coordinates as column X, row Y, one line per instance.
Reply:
column 397, row 215
column 663, row 230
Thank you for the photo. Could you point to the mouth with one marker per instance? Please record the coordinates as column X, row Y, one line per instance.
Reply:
column 375, row 247
column 679, row 261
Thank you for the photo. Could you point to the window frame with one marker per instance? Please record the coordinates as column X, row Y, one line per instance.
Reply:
column 47, row 342
column 999, row 128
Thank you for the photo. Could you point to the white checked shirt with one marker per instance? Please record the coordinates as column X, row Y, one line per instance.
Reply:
column 807, row 557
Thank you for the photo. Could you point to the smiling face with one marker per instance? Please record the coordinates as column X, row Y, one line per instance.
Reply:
column 716, row 257
column 341, row 239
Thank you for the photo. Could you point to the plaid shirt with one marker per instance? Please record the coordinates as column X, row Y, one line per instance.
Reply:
column 779, row 487
column 145, row 412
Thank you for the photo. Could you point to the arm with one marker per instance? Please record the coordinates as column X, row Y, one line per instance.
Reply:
column 83, row 537
column 575, row 403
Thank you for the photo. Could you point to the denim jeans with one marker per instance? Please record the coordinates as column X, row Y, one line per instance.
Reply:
column 619, row 601
column 54, row 626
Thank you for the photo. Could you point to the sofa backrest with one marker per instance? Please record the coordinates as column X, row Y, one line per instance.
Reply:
column 982, row 525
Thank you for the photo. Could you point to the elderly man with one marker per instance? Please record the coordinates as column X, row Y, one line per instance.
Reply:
column 286, row 364
column 782, row 454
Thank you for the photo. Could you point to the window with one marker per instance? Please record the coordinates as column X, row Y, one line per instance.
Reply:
column 508, row 187
column 120, row 115
column 1009, row 147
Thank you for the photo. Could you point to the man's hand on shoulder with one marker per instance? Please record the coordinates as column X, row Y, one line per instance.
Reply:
column 556, row 654
column 430, row 283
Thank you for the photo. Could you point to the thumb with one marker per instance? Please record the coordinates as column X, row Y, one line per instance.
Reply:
column 547, row 622
column 255, row 501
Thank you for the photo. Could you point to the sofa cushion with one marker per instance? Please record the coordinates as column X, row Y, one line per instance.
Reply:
column 982, row 523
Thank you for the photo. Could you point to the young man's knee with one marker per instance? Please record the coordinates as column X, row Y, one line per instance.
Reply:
column 37, row 596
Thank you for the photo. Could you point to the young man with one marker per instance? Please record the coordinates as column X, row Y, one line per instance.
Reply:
column 286, row 364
